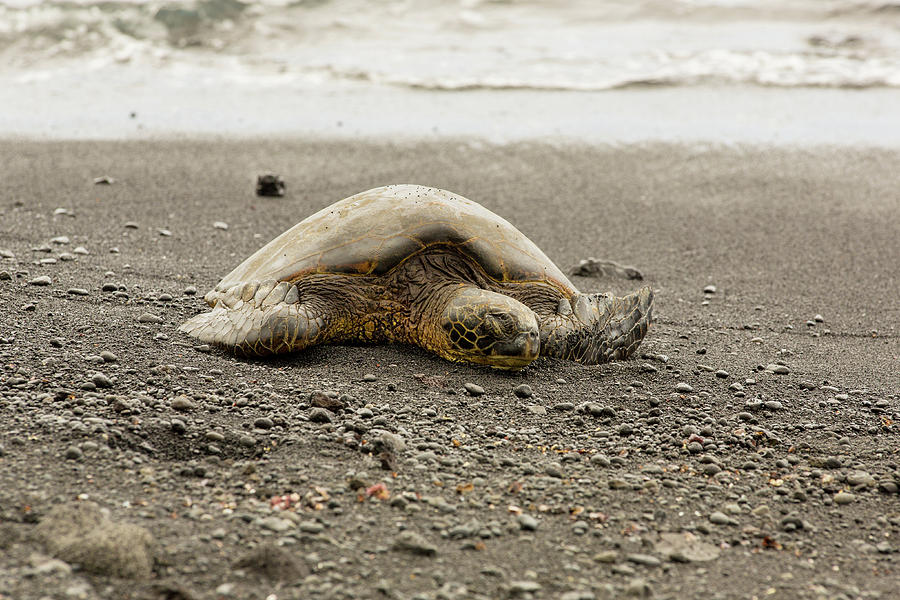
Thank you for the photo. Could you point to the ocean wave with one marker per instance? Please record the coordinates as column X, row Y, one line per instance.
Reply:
column 468, row 45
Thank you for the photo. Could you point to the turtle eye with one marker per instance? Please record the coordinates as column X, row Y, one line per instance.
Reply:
column 498, row 323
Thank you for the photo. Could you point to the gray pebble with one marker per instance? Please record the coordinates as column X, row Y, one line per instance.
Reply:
column 599, row 460
column 77, row 291
column 778, row 369
column 473, row 389
column 42, row 280
column 149, row 318
column 410, row 541
column 320, row 415
column 710, row 289
column 108, row 356
column 74, row 453
column 842, row 498
column 527, row 522
column 248, row 441
column 683, row 388
column 190, row 290
column 101, row 380
column 81, row 250
column 720, row 518
column 644, row 559
column 722, row 374
column 61, row 240
column 773, row 405
column 523, row 391
column 131, row 225
column 5, row 276
column 263, row 423
column 214, row 436
column 564, row 406
column 369, row 377
column 182, row 403
column 178, row 426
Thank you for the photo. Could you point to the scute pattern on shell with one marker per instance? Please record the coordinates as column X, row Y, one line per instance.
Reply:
column 374, row 231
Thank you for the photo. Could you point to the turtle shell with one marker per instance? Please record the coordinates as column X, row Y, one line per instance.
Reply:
column 372, row 232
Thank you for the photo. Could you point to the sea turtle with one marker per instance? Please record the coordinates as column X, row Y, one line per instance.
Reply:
column 419, row 265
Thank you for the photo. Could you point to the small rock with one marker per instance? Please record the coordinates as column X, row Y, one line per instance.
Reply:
column 842, row 498
column 410, row 541
column 61, row 240
column 74, row 453
column 710, row 289
column 473, row 389
column 108, row 356
column 221, row 225
column 182, row 403
column 644, row 559
column 77, row 292
column 270, row 184
column 319, row 415
column 149, row 318
column 778, row 369
column 527, row 522
column 523, row 391
column 263, row 423
column 683, row 388
column 101, row 380
column 42, row 280
column 104, row 180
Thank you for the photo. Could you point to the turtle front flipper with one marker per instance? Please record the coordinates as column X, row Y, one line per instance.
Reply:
column 258, row 319
column 597, row 328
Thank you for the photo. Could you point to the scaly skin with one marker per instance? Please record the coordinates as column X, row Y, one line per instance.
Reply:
column 442, row 302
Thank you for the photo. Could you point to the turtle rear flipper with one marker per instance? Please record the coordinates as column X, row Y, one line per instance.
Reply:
column 249, row 329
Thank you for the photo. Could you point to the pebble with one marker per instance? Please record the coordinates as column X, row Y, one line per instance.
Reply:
column 77, row 291
column 607, row 557
column 182, row 403
column 537, row 409
column 108, row 356
column 720, row 518
column 842, row 498
column 60, row 240
column 6, row 253
column 527, row 522
column 80, row 250
column 275, row 524
column 473, row 389
column 683, row 388
column 74, row 453
column 564, row 406
column 190, row 290
column 600, row 460
column 5, row 276
column 263, row 423
column 320, row 415
column 516, row 589
column 639, row 588
column 773, row 405
column 778, row 369
column 644, row 559
column 165, row 232
column 221, row 225
column 722, row 374
column 131, row 225
column 65, row 256
column 410, row 541
column 101, row 380
column 710, row 289
column 149, row 318
column 523, row 391
column 42, row 280
column 369, row 378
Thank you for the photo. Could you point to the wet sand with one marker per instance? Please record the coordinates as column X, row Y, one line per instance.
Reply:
column 783, row 234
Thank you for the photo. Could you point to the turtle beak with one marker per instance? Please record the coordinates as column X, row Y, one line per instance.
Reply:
column 519, row 351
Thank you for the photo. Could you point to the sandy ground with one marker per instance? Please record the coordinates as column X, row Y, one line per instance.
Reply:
column 750, row 452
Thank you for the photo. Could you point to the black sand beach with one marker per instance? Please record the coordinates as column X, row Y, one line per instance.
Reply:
column 751, row 451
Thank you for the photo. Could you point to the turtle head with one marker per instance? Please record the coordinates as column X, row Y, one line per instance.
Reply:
column 488, row 328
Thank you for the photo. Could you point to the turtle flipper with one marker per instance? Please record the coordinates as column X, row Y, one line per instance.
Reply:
column 598, row 328
column 270, row 322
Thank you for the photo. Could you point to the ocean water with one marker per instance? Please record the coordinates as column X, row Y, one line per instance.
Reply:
column 249, row 63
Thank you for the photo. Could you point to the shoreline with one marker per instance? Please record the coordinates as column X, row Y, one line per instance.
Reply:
column 726, row 115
